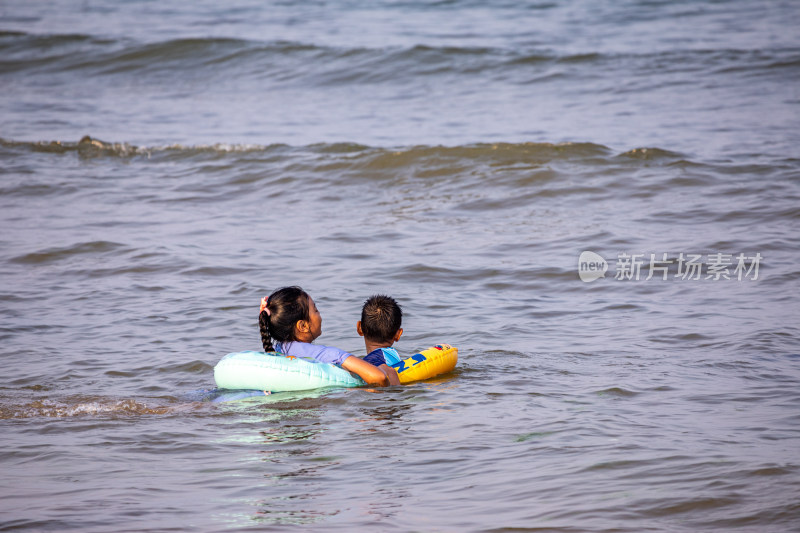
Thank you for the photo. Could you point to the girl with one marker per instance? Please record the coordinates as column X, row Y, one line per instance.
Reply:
column 290, row 317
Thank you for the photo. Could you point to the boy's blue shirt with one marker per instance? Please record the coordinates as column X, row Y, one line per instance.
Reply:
column 383, row 356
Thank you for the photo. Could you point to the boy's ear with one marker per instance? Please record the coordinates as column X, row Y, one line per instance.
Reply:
column 358, row 329
column 398, row 334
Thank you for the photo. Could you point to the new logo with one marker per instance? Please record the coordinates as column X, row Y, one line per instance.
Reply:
column 591, row 266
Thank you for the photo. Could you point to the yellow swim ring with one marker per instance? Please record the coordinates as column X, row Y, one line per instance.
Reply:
column 428, row 363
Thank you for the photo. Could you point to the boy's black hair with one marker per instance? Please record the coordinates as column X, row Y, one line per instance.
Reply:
column 381, row 318
column 286, row 306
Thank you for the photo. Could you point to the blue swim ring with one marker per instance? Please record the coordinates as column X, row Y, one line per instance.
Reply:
column 279, row 373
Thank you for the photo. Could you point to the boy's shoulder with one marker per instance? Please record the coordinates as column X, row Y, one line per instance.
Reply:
column 383, row 356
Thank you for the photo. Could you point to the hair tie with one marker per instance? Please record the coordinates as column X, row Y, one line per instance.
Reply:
column 264, row 302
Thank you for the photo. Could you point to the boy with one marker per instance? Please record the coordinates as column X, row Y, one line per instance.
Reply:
column 381, row 318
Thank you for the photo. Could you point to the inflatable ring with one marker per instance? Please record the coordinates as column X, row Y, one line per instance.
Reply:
column 274, row 372
column 427, row 363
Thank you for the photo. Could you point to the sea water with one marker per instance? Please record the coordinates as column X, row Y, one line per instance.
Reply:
column 164, row 165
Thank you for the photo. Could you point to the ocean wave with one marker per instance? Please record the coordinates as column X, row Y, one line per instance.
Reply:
column 57, row 254
column 78, row 407
column 386, row 156
column 282, row 61
column 537, row 168
column 88, row 146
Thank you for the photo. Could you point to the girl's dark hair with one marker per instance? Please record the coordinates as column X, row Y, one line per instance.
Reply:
column 381, row 318
column 286, row 306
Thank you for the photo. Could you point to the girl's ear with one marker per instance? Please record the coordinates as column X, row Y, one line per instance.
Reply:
column 302, row 326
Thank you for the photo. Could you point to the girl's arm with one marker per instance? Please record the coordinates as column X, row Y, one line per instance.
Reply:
column 391, row 373
column 369, row 373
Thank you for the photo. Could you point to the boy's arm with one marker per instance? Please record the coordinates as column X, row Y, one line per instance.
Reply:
column 391, row 374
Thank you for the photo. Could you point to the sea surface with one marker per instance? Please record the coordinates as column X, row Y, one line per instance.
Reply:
column 164, row 165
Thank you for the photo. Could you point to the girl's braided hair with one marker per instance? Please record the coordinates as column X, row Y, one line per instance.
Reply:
column 277, row 321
